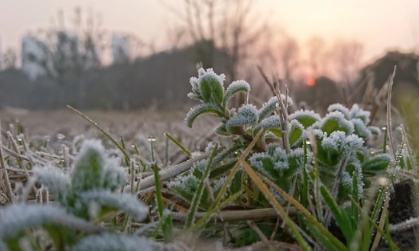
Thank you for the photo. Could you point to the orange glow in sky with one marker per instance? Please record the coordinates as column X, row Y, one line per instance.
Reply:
column 311, row 81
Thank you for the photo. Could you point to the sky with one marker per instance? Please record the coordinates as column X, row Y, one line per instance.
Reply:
column 379, row 24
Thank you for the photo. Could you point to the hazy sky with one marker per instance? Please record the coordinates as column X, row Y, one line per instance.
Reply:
column 378, row 24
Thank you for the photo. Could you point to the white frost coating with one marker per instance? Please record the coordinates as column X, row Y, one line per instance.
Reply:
column 113, row 175
column 170, row 172
column 375, row 130
column 127, row 202
column 188, row 183
column 356, row 112
column 270, row 106
column 305, row 113
column 209, row 74
column 270, row 122
column 16, row 218
column 339, row 142
column 197, row 110
column 111, row 242
column 339, row 117
column 57, row 182
column 247, row 115
column 361, row 129
column 236, row 86
column 87, row 150
column 340, row 108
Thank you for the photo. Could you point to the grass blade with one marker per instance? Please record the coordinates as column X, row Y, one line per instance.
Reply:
column 167, row 225
column 271, row 198
column 178, row 144
column 199, row 191
column 307, row 214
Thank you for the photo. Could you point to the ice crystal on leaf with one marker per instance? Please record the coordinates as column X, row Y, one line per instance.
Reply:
column 270, row 106
column 340, row 108
column 235, row 87
column 126, row 202
column 202, row 109
column 111, row 242
column 16, row 218
column 57, row 182
column 247, row 115
column 306, row 118
column 358, row 113
column 335, row 121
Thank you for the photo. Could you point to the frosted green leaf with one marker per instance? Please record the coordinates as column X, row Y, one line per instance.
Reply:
column 374, row 130
column 377, row 164
column 296, row 133
column 202, row 109
column 306, row 118
column 247, row 115
column 125, row 202
column 57, row 182
column 335, row 121
column 361, row 129
column 340, row 108
column 17, row 218
column 211, row 86
column 88, row 166
column 359, row 113
column 113, row 176
column 270, row 106
column 235, row 87
column 222, row 130
column 270, row 122
column 122, row 242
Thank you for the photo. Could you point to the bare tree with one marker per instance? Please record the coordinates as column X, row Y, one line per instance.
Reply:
column 346, row 57
column 9, row 59
column 230, row 26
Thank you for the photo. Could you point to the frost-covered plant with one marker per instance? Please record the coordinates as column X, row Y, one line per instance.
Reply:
column 83, row 196
column 340, row 137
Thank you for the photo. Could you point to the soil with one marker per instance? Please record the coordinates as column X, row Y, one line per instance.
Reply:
column 402, row 207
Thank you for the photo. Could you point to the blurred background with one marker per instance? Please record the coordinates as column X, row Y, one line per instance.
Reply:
column 136, row 54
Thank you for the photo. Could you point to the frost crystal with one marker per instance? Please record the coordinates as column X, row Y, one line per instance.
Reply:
column 125, row 202
column 271, row 122
column 57, row 182
column 361, row 129
column 306, row 118
column 16, row 218
column 247, row 115
column 340, row 108
column 111, row 242
column 343, row 124
column 357, row 112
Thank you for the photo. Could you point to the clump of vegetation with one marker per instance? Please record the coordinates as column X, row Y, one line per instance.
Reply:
column 285, row 177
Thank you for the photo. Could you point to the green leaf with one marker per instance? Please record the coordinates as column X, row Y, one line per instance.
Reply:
column 377, row 164
column 233, row 88
column 212, row 90
column 335, row 121
column 88, row 167
column 247, row 115
column 222, row 130
column 202, row 109
column 340, row 215
column 296, row 133
column 236, row 182
column 306, row 118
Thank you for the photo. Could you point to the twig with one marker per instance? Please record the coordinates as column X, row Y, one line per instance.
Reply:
column 255, row 228
column 9, row 192
column 170, row 172
column 389, row 128
column 283, row 113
